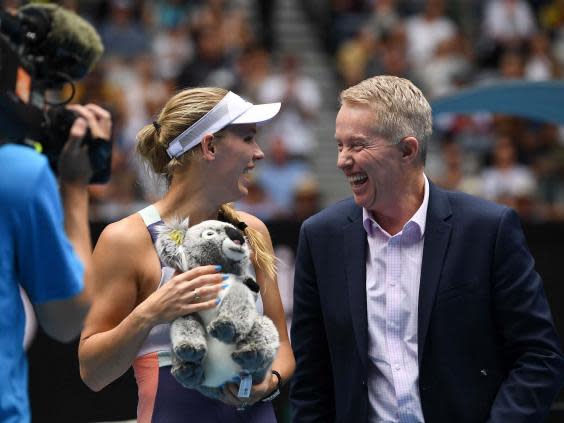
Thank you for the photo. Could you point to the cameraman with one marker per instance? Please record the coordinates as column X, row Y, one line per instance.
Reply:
column 45, row 248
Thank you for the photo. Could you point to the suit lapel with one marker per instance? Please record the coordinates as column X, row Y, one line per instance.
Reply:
column 437, row 235
column 355, row 268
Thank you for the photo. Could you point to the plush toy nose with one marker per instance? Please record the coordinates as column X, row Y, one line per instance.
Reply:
column 235, row 236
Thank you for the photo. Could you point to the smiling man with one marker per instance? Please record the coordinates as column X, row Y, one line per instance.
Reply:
column 413, row 304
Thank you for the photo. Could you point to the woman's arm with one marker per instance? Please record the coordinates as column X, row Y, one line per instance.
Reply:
column 118, row 322
column 284, row 363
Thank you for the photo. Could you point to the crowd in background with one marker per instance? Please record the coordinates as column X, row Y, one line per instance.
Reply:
column 156, row 48
column 446, row 46
column 153, row 48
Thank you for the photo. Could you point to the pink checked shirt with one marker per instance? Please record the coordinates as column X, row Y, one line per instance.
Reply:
column 393, row 271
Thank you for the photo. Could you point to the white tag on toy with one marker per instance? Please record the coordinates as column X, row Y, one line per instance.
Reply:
column 245, row 386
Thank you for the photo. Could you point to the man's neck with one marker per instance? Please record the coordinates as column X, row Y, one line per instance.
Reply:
column 393, row 219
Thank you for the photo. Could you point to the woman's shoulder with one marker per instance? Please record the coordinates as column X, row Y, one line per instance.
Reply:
column 129, row 232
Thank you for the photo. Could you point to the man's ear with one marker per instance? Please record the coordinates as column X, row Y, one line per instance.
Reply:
column 409, row 147
column 208, row 147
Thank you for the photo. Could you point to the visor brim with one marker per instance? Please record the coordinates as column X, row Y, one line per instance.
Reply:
column 258, row 113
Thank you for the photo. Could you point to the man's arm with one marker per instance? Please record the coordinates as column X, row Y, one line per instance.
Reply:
column 62, row 319
column 312, row 391
column 48, row 267
column 531, row 345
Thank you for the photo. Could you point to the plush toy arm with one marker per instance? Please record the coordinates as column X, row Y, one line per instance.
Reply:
column 237, row 313
column 251, row 283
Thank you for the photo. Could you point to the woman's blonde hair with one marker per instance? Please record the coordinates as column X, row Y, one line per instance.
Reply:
column 262, row 257
column 181, row 111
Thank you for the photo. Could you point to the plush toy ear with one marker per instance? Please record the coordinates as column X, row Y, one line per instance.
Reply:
column 170, row 243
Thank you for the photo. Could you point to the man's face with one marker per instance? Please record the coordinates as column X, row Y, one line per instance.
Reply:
column 371, row 164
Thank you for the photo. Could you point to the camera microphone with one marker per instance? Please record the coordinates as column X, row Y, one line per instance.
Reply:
column 68, row 45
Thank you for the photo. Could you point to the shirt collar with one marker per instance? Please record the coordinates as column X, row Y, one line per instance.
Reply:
column 419, row 218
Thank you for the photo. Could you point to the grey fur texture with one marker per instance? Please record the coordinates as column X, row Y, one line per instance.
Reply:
column 216, row 346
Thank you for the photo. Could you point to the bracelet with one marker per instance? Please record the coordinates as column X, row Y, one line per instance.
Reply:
column 276, row 392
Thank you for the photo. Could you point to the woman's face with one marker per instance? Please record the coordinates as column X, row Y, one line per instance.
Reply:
column 236, row 156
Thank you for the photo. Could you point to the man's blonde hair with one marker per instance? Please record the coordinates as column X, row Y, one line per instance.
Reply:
column 400, row 108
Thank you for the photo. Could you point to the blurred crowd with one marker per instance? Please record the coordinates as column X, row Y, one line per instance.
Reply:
column 153, row 48
column 446, row 46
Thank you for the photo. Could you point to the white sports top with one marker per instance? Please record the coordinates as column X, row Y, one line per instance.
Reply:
column 158, row 339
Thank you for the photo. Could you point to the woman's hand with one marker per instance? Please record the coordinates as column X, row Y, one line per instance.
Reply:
column 185, row 293
column 258, row 392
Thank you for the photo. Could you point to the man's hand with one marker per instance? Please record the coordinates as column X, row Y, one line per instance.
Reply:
column 74, row 163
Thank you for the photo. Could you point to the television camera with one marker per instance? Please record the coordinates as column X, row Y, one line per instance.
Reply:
column 42, row 48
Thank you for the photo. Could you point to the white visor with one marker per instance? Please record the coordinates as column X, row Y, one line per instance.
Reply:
column 231, row 110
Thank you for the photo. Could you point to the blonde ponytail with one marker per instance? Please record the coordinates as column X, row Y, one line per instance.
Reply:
column 180, row 112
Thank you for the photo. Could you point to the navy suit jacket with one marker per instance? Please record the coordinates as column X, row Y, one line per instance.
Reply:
column 487, row 346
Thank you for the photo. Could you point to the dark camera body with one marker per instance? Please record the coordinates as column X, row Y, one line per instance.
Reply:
column 25, row 119
column 58, row 124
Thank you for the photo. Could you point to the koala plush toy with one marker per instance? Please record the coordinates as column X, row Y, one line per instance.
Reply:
column 219, row 345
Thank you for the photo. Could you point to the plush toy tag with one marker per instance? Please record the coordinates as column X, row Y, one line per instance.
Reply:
column 245, row 386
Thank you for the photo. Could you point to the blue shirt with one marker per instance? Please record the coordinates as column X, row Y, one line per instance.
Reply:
column 34, row 253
